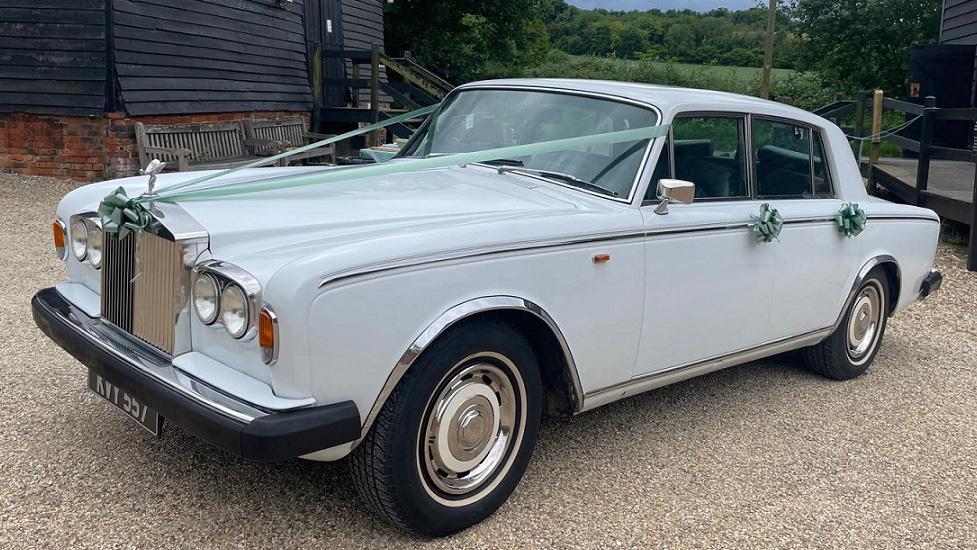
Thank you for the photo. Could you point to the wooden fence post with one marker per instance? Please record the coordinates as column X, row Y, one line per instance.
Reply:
column 873, row 157
column 860, row 114
column 374, row 92
column 972, row 255
column 925, row 141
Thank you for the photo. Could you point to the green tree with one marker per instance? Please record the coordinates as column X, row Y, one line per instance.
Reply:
column 469, row 40
column 862, row 44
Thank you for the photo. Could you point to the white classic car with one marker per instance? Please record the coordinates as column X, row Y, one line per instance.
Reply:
column 422, row 321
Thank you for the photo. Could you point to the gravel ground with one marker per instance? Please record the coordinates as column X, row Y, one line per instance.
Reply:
column 765, row 455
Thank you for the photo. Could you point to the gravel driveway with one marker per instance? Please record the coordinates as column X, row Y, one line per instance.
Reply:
column 764, row 455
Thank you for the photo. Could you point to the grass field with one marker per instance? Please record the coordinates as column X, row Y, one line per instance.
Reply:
column 804, row 89
column 745, row 74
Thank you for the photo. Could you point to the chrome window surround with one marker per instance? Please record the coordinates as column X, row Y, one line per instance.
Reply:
column 62, row 254
column 642, row 167
column 827, row 161
column 270, row 356
column 227, row 273
column 746, row 134
column 751, row 154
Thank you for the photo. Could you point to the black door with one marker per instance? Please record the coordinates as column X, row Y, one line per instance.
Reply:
column 332, row 40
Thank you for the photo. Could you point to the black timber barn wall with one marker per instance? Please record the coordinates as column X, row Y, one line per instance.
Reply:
column 52, row 56
column 959, row 22
column 362, row 23
column 210, row 56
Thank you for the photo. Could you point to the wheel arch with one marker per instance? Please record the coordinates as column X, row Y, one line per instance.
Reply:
column 893, row 275
column 562, row 390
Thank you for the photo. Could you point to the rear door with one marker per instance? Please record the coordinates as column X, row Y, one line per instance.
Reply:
column 814, row 259
column 708, row 283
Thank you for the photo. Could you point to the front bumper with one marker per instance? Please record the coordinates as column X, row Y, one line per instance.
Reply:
column 931, row 283
column 199, row 408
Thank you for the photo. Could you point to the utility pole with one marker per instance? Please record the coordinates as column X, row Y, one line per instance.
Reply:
column 768, row 50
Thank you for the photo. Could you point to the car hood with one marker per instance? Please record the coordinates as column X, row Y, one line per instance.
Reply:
column 410, row 213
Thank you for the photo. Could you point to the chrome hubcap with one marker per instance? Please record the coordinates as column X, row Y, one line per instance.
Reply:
column 864, row 321
column 471, row 426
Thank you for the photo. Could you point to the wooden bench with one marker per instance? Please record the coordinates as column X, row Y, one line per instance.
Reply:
column 293, row 133
column 203, row 146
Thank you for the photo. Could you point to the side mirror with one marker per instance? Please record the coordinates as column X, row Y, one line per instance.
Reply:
column 679, row 191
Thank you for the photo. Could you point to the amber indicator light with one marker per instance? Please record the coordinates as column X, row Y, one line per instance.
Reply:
column 58, row 235
column 602, row 258
column 266, row 330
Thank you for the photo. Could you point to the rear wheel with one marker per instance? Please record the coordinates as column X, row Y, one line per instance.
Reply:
column 851, row 348
column 455, row 436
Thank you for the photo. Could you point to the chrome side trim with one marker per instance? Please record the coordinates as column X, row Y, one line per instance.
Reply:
column 472, row 252
column 449, row 318
column 530, row 246
column 154, row 364
column 888, row 217
column 678, row 373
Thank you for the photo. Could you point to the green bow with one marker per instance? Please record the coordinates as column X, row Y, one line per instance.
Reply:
column 768, row 224
column 851, row 219
column 120, row 215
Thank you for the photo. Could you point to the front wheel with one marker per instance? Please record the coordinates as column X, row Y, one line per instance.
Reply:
column 454, row 438
column 851, row 348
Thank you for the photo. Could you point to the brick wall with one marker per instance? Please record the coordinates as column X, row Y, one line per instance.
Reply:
column 87, row 148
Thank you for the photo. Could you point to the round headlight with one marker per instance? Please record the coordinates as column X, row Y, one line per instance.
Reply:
column 95, row 247
column 234, row 310
column 79, row 239
column 205, row 298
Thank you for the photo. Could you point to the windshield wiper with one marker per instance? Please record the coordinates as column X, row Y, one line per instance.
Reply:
column 503, row 162
column 560, row 176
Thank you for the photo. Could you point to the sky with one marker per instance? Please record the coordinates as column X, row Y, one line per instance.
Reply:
column 643, row 5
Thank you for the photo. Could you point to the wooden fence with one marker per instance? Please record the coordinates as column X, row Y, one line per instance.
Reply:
column 917, row 191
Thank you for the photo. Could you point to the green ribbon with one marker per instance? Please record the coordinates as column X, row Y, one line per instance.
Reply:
column 411, row 165
column 120, row 215
column 767, row 225
column 328, row 141
column 851, row 220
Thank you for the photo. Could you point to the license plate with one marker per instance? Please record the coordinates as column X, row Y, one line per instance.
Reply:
column 134, row 409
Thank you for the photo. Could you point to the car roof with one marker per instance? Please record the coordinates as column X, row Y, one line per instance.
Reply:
column 670, row 100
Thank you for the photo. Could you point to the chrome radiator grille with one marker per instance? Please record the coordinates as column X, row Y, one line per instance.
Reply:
column 142, row 287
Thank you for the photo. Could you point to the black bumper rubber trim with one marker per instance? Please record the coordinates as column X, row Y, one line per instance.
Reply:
column 271, row 438
column 931, row 283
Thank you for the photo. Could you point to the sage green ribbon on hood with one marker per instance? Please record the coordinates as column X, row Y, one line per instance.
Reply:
column 120, row 215
column 407, row 165
column 328, row 141
column 851, row 220
column 767, row 225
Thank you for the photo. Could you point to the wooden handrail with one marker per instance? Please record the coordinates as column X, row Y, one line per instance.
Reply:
column 904, row 106
column 956, row 114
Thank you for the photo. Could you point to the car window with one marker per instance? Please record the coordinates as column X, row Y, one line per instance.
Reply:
column 822, row 176
column 709, row 152
column 482, row 119
column 782, row 153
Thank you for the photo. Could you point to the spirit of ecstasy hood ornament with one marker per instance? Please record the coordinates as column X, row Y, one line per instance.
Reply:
column 152, row 169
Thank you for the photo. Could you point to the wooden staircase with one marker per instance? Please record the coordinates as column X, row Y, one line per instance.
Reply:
column 400, row 82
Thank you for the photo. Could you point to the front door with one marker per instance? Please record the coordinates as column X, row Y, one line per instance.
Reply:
column 708, row 282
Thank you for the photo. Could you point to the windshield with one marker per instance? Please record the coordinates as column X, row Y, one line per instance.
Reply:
column 482, row 119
